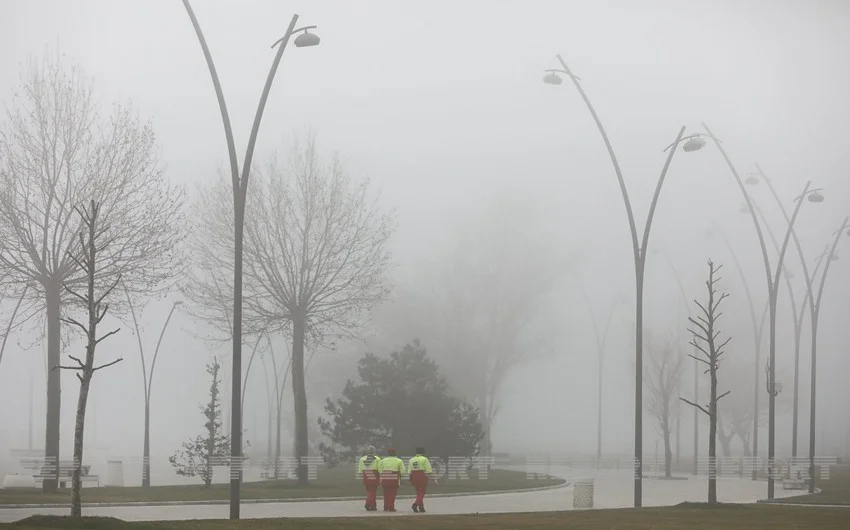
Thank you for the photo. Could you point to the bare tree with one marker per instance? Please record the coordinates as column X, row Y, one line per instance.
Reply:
column 316, row 253
column 706, row 339
column 95, row 242
column 663, row 374
column 488, row 301
column 56, row 150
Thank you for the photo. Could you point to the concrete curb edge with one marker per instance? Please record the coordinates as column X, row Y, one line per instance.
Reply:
column 565, row 484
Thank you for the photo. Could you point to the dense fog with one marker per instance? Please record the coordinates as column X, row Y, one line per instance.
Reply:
column 486, row 172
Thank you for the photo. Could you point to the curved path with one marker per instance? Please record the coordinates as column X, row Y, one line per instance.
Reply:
column 612, row 490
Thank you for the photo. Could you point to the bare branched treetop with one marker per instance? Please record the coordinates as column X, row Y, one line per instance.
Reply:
column 208, row 284
column 57, row 152
column 316, row 245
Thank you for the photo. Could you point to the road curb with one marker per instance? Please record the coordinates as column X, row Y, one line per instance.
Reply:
column 273, row 501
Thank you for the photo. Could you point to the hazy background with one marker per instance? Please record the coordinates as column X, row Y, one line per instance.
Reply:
column 441, row 104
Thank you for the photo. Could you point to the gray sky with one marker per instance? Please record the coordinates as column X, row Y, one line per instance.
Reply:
column 441, row 104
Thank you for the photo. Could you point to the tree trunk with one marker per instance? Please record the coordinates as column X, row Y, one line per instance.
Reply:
column 146, row 449
column 725, row 438
column 599, row 410
column 484, row 415
column 277, row 439
column 54, row 387
column 208, row 469
column 300, row 395
column 79, row 430
column 668, row 453
column 712, row 436
column 796, row 393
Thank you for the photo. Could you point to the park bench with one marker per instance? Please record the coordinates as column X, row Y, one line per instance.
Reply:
column 66, row 474
column 794, row 484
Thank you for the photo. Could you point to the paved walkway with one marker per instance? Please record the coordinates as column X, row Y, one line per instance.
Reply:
column 612, row 490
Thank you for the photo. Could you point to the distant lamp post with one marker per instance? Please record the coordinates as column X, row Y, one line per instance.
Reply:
column 148, row 381
column 815, row 306
column 640, row 244
column 601, row 341
column 772, row 276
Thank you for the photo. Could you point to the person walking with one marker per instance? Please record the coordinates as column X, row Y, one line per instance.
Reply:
column 419, row 469
column 369, row 468
column 392, row 469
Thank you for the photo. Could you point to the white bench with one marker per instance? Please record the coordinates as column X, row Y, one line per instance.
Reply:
column 794, row 484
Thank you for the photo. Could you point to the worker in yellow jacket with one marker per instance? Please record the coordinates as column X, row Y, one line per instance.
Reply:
column 392, row 469
column 369, row 468
column 419, row 469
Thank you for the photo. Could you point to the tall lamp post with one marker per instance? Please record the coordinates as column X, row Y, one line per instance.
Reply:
column 772, row 275
column 240, row 192
column 639, row 247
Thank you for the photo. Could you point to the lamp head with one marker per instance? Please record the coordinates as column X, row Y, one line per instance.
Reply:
column 307, row 39
column 815, row 197
column 552, row 78
column 178, row 302
column 694, row 144
column 751, row 180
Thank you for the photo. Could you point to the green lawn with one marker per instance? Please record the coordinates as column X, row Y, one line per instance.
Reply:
column 689, row 516
column 835, row 490
column 337, row 482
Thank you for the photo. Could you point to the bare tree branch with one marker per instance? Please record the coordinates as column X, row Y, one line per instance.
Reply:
column 695, row 405
column 107, row 365
column 113, row 332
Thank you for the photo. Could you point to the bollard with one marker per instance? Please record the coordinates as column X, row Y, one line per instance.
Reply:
column 114, row 473
column 583, row 493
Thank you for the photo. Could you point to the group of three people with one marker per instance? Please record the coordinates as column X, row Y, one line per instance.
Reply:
column 388, row 472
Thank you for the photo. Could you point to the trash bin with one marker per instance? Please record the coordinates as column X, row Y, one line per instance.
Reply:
column 583, row 493
column 114, row 474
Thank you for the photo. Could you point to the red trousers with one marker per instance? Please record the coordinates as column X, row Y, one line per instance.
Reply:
column 370, row 480
column 371, row 494
column 390, row 492
column 420, row 482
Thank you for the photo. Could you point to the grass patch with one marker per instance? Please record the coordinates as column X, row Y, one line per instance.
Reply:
column 835, row 490
column 331, row 483
column 691, row 516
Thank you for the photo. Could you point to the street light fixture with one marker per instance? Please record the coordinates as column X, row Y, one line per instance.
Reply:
column 815, row 197
column 639, row 248
column 306, row 39
column 240, row 193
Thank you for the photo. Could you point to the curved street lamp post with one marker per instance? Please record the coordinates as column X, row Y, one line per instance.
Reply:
column 240, row 191
column 773, row 276
column 815, row 306
column 147, row 380
column 639, row 246
column 601, row 340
